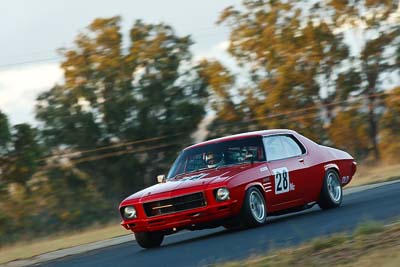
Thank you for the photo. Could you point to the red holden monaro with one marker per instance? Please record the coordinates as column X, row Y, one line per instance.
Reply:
column 238, row 180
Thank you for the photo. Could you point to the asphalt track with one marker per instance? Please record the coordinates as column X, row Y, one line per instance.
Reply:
column 206, row 247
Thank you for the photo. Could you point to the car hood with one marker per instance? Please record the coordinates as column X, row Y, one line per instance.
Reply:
column 194, row 180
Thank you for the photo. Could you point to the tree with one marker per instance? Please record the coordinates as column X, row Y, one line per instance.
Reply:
column 119, row 94
column 348, row 131
column 24, row 156
column 5, row 135
column 293, row 56
column 5, row 138
column 390, row 127
column 219, row 83
column 379, row 56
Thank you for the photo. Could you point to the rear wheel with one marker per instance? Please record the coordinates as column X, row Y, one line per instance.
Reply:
column 253, row 210
column 331, row 193
column 149, row 239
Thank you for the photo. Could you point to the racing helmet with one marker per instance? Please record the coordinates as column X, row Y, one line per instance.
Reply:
column 213, row 159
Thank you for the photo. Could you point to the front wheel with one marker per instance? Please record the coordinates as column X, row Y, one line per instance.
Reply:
column 331, row 193
column 254, row 212
column 149, row 239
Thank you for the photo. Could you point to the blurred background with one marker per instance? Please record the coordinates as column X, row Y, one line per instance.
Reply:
column 96, row 99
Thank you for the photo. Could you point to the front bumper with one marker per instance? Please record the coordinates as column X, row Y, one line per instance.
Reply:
column 184, row 219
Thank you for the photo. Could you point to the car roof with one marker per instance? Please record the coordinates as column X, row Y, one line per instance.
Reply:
column 242, row 136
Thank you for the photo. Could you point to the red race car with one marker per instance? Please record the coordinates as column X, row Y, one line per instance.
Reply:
column 238, row 180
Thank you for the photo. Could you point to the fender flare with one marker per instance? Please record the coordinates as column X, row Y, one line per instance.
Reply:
column 259, row 186
column 332, row 166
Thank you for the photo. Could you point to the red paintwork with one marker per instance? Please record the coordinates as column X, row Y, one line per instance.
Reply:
column 307, row 176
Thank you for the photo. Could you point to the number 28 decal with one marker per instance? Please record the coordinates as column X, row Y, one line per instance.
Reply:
column 282, row 182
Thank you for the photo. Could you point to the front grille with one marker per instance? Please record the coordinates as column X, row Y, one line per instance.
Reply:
column 175, row 204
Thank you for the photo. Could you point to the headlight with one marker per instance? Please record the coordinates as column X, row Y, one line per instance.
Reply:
column 222, row 194
column 129, row 212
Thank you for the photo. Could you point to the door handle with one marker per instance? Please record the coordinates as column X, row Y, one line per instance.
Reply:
column 301, row 160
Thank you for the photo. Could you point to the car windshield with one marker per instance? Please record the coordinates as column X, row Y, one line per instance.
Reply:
column 218, row 154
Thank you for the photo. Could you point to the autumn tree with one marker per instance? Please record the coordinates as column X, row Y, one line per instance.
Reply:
column 219, row 82
column 305, row 71
column 348, row 131
column 390, row 127
column 377, row 24
column 292, row 55
column 115, row 93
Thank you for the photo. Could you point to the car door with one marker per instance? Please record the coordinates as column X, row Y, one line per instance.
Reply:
column 286, row 163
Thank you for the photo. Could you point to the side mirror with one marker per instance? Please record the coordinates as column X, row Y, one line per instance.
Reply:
column 161, row 178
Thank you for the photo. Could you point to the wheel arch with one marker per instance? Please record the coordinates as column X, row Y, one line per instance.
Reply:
column 260, row 188
column 257, row 185
column 332, row 166
column 327, row 167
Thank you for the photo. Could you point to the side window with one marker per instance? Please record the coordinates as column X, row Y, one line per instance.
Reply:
column 291, row 147
column 273, row 148
column 282, row 146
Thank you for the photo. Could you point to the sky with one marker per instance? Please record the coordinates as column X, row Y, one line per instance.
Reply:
column 33, row 30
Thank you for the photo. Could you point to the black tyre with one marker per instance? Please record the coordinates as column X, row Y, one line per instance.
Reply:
column 254, row 211
column 149, row 239
column 331, row 193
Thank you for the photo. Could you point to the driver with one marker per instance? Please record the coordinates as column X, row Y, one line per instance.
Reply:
column 214, row 159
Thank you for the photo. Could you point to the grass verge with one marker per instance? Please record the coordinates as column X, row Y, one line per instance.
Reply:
column 24, row 250
column 375, row 174
column 371, row 244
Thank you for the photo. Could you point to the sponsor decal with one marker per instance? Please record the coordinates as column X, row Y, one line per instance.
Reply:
column 345, row 179
column 263, row 169
column 292, row 187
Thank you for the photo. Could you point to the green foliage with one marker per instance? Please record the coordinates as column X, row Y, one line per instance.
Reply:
column 5, row 134
column 62, row 187
column 57, row 200
column 26, row 152
column 66, row 122
column 20, row 162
